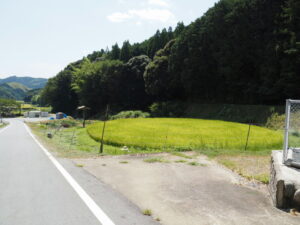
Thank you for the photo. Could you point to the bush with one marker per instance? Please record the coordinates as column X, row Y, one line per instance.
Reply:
column 276, row 121
column 60, row 123
column 130, row 114
column 167, row 109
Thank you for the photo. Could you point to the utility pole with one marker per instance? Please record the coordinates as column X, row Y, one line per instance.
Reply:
column 103, row 129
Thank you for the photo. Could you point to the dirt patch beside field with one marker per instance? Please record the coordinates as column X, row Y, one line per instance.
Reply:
column 188, row 190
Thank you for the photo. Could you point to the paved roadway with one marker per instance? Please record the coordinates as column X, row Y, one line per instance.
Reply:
column 37, row 189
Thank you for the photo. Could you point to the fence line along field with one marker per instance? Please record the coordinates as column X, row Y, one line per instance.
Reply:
column 185, row 134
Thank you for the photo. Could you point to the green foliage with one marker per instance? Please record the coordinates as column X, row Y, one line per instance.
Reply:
column 7, row 106
column 97, row 83
column 167, row 109
column 13, row 90
column 180, row 161
column 238, row 52
column 229, row 55
column 60, row 94
column 130, row 114
column 34, row 97
column 155, row 160
column 67, row 123
column 125, row 53
column 147, row 212
column 134, row 84
column 180, row 154
column 276, row 122
column 115, row 52
column 29, row 82
column 183, row 134
column 196, row 164
column 159, row 82
column 257, row 114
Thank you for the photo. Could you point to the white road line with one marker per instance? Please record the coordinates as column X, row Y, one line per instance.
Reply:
column 3, row 129
column 95, row 209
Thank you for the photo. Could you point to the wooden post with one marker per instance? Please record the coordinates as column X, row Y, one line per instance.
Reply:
column 248, row 135
column 83, row 118
column 103, row 130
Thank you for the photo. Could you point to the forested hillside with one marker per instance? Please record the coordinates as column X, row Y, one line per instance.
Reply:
column 18, row 88
column 13, row 91
column 239, row 52
column 29, row 82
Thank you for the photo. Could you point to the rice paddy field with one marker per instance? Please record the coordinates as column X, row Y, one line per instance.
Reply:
column 223, row 141
column 176, row 134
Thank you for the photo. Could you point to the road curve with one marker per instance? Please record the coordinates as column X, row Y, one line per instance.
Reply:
column 34, row 192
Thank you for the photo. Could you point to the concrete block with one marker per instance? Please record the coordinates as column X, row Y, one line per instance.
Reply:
column 284, row 183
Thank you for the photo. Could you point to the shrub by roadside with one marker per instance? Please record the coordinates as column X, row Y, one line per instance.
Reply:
column 130, row 114
column 276, row 121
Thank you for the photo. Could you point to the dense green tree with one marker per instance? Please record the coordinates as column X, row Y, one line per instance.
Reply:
column 115, row 52
column 239, row 51
column 7, row 106
column 125, row 54
column 159, row 82
column 135, row 94
column 59, row 93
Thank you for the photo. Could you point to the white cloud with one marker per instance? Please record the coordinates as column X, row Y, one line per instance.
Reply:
column 158, row 3
column 158, row 15
column 161, row 15
column 118, row 17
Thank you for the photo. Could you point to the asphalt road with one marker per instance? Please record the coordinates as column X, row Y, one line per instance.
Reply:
column 37, row 189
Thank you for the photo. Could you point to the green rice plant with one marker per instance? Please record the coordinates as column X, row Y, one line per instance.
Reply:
column 177, row 134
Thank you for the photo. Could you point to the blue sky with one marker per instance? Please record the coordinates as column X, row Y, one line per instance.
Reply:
column 39, row 38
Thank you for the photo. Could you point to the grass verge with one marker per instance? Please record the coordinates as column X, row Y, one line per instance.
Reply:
column 250, row 167
column 2, row 125
column 75, row 142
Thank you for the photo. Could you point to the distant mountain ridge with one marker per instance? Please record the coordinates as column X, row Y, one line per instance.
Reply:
column 29, row 82
column 17, row 87
column 13, row 90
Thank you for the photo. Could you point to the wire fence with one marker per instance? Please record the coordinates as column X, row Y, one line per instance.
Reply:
column 292, row 132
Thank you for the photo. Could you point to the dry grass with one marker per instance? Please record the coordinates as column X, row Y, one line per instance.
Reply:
column 156, row 160
column 180, row 154
column 251, row 167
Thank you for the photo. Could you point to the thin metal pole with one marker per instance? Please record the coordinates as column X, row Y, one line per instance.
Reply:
column 103, row 130
column 286, row 130
column 72, row 138
column 83, row 119
column 248, row 135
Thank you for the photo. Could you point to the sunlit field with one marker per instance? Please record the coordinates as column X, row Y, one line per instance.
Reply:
column 185, row 134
